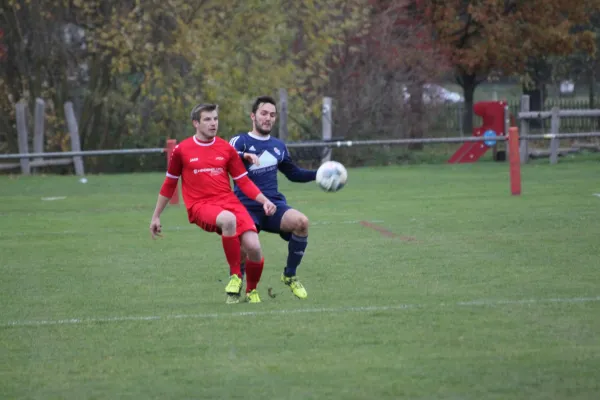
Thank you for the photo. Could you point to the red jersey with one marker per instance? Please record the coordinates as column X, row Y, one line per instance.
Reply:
column 204, row 168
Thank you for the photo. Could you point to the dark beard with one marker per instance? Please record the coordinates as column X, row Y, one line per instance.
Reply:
column 263, row 131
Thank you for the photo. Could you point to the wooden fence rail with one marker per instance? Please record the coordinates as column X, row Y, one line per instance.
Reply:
column 39, row 158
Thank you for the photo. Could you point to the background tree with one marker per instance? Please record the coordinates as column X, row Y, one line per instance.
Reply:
column 103, row 55
column 134, row 68
column 379, row 72
column 583, row 66
column 490, row 36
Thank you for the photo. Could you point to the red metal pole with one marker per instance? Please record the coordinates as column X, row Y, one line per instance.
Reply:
column 515, row 161
column 171, row 143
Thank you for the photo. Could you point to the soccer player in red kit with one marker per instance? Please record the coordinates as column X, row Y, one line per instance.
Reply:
column 204, row 163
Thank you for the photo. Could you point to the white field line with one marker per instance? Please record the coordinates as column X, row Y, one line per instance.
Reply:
column 144, row 229
column 54, row 198
column 333, row 310
column 597, row 194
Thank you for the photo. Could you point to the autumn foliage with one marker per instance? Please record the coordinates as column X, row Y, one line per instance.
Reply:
column 487, row 37
column 134, row 68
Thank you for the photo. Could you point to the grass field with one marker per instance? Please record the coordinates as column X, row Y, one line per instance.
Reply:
column 452, row 290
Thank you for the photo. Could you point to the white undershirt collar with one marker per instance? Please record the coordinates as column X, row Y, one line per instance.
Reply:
column 199, row 143
column 253, row 136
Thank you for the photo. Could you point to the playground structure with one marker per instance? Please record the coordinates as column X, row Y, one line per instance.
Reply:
column 496, row 122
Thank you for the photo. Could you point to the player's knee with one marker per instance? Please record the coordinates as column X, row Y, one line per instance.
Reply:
column 254, row 253
column 251, row 246
column 301, row 224
column 253, row 250
column 227, row 222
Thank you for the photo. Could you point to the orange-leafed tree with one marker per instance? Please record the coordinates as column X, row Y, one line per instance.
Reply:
column 486, row 37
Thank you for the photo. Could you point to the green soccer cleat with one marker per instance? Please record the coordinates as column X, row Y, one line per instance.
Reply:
column 296, row 287
column 234, row 287
column 253, row 297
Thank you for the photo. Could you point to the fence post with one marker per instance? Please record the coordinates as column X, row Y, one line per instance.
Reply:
column 459, row 115
column 283, row 114
column 74, row 133
column 506, row 128
column 326, row 127
column 38, row 131
column 171, row 143
column 515, row 161
column 554, row 141
column 524, row 130
column 23, row 136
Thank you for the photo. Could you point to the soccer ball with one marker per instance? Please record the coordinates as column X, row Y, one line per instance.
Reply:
column 331, row 176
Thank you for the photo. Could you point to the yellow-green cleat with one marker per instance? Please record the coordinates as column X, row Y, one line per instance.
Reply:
column 295, row 286
column 253, row 297
column 234, row 286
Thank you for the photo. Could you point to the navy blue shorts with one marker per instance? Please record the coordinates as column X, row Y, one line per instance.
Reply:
column 270, row 223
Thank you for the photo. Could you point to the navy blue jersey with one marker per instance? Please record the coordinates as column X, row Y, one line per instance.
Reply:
column 273, row 155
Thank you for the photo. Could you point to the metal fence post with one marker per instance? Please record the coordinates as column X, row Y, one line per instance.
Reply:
column 506, row 129
column 74, row 132
column 327, row 129
column 21, row 109
column 38, row 131
column 524, row 131
column 554, row 141
column 514, row 161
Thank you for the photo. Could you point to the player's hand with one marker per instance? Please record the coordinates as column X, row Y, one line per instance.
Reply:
column 252, row 158
column 269, row 208
column 155, row 228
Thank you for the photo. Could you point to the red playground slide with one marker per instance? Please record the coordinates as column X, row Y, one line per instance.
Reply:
column 492, row 113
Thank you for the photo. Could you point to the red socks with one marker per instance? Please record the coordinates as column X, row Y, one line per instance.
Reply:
column 233, row 253
column 253, row 272
column 254, row 269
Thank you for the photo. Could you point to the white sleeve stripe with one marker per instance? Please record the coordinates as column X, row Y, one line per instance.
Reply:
column 233, row 140
column 241, row 176
column 172, row 176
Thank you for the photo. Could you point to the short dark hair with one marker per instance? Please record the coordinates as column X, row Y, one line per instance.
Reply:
column 200, row 108
column 262, row 100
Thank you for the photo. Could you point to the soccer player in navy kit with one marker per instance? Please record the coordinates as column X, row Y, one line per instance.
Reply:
column 263, row 156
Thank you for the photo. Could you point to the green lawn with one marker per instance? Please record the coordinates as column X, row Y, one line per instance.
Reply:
column 477, row 295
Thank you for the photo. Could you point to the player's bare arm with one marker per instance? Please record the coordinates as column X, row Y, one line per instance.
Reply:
column 155, row 226
column 166, row 192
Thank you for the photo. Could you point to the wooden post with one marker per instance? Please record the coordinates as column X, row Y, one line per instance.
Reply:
column 515, row 161
column 74, row 132
column 21, row 109
column 459, row 115
column 554, row 129
column 326, row 126
column 524, row 130
column 506, row 128
column 283, row 114
column 171, row 144
column 38, row 131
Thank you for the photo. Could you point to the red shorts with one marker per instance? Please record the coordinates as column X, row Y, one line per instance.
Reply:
column 205, row 216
